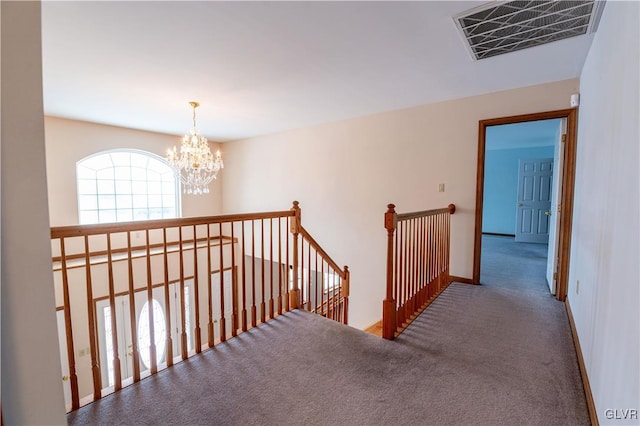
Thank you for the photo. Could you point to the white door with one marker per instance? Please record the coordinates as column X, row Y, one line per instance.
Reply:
column 534, row 200
column 556, row 199
column 64, row 360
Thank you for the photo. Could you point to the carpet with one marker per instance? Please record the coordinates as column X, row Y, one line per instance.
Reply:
column 495, row 354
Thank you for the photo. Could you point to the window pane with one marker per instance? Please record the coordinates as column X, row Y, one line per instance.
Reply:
column 121, row 158
column 88, row 202
column 106, row 202
column 106, row 187
column 98, row 162
column 169, row 213
column 123, row 173
column 123, row 187
column 85, row 172
column 140, row 201
column 169, row 177
column 168, row 200
column 169, row 187
column 153, row 176
column 86, row 186
column 107, row 216
column 155, row 201
column 138, row 173
column 124, row 201
column 154, row 187
column 155, row 213
column 124, row 215
column 105, row 174
column 140, row 214
column 139, row 161
column 139, row 187
column 158, row 166
column 89, row 216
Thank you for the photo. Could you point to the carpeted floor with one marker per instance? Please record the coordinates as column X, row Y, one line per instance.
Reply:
column 479, row 355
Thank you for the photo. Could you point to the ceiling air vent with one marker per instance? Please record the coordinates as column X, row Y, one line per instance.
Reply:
column 503, row 27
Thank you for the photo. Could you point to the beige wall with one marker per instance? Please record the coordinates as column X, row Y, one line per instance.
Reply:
column 68, row 141
column 31, row 387
column 604, row 244
column 345, row 173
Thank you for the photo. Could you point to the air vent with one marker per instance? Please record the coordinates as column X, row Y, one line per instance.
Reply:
column 503, row 27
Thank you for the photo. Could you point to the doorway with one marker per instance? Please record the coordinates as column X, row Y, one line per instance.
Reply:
column 565, row 176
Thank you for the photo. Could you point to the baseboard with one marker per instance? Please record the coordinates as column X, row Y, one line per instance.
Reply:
column 453, row 278
column 593, row 414
column 497, row 234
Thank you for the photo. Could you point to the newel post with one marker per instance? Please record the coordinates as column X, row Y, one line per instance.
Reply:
column 452, row 208
column 389, row 304
column 345, row 293
column 294, row 293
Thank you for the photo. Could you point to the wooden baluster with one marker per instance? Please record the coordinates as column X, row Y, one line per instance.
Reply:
column 403, row 274
column 286, row 293
column 135, row 354
column 234, row 286
column 210, row 333
column 389, row 311
column 346, row 291
column 452, row 210
column 262, row 287
column 117, row 374
column 271, row 302
column 73, row 377
column 325, row 310
column 167, row 301
column 91, row 317
column 318, row 288
column 302, row 272
column 423, row 263
column 414, row 286
column 253, row 274
column 294, row 293
column 335, row 295
column 244, row 284
column 309, row 278
column 196, row 293
column 223, row 323
column 153, row 354
column 183, row 316
column 279, row 265
column 432, row 262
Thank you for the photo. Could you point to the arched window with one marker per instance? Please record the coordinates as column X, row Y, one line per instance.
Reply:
column 126, row 185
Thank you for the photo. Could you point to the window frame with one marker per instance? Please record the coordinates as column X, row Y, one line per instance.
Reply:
column 150, row 156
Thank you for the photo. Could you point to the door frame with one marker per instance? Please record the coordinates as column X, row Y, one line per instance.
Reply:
column 568, row 180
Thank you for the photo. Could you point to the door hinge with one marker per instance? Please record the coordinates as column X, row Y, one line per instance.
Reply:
column 564, row 137
column 555, row 276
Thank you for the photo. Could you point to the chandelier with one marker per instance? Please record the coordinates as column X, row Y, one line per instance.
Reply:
column 195, row 164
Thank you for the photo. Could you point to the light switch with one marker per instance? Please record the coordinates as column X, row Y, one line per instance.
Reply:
column 441, row 187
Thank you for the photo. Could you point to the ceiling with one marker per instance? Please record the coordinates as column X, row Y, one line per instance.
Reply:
column 264, row 67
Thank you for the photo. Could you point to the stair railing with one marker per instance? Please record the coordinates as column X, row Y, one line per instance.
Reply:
column 417, row 264
column 192, row 283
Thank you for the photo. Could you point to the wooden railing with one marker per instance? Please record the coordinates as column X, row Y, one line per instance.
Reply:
column 417, row 264
column 134, row 298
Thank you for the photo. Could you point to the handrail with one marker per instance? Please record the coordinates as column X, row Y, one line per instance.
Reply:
column 209, row 278
column 417, row 264
column 323, row 253
column 104, row 228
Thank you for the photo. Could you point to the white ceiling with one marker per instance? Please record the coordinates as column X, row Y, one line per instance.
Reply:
column 264, row 67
